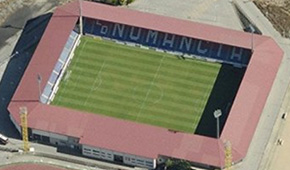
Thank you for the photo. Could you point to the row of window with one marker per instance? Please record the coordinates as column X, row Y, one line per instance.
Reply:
column 103, row 155
column 139, row 161
column 97, row 153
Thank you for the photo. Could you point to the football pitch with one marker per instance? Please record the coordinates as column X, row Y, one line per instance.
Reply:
column 137, row 84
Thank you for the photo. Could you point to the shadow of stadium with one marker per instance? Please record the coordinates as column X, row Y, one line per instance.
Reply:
column 26, row 45
column 222, row 96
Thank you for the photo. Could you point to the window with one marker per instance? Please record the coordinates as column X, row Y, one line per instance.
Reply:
column 138, row 160
column 86, row 149
column 87, row 152
column 36, row 136
column 45, row 139
column 53, row 77
column 96, row 154
column 58, row 67
column 150, row 164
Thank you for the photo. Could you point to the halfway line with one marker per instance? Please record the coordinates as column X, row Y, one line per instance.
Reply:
column 151, row 84
column 100, row 71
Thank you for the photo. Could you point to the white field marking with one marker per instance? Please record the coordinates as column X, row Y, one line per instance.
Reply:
column 201, row 103
column 151, row 84
column 161, row 96
column 66, row 82
column 199, row 110
column 92, row 88
column 98, row 77
column 195, row 110
column 100, row 82
column 67, row 75
column 156, row 101
column 76, row 81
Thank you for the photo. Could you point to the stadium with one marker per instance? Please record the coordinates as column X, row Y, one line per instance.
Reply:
column 139, row 88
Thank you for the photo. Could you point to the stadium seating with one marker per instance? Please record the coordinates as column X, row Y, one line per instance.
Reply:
column 168, row 42
column 58, row 67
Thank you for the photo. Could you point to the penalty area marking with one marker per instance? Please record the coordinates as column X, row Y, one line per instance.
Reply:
column 98, row 78
column 99, row 84
column 74, row 64
column 77, row 62
column 93, row 86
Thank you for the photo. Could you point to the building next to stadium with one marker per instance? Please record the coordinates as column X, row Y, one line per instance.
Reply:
column 128, row 142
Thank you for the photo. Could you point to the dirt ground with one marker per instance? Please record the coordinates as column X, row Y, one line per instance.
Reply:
column 278, row 12
column 8, row 7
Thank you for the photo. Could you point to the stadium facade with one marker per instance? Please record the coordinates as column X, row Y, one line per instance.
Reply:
column 128, row 142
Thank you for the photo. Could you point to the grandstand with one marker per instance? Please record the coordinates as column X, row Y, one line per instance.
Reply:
column 60, row 65
column 143, row 85
column 133, row 143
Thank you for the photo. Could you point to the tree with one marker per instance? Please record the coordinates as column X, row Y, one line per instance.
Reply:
column 123, row 2
column 129, row 1
column 177, row 165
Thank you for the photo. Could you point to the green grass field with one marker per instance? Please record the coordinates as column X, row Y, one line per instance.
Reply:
column 137, row 84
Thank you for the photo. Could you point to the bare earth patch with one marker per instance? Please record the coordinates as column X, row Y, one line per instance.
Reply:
column 278, row 12
column 8, row 7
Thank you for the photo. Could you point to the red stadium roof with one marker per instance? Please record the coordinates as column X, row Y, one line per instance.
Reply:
column 140, row 139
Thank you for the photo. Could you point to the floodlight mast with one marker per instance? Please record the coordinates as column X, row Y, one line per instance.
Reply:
column 228, row 155
column 24, row 126
column 217, row 113
column 81, row 17
column 252, row 36
column 39, row 79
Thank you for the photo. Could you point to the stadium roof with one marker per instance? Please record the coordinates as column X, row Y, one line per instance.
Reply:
column 140, row 139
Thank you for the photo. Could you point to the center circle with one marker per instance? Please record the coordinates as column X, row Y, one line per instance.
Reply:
column 147, row 94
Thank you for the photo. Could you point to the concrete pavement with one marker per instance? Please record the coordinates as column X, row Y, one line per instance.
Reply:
column 15, row 68
column 278, row 155
column 49, row 155
column 11, row 29
column 263, row 143
column 262, row 140
column 214, row 12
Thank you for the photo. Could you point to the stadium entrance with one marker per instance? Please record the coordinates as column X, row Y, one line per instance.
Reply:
column 118, row 158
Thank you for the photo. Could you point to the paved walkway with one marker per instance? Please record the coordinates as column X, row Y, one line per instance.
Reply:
column 49, row 155
column 278, row 156
column 213, row 12
column 221, row 13
column 266, row 134
column 264, row 141
column 11, row 29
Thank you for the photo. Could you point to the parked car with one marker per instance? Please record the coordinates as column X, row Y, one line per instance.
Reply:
column 3, row 139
